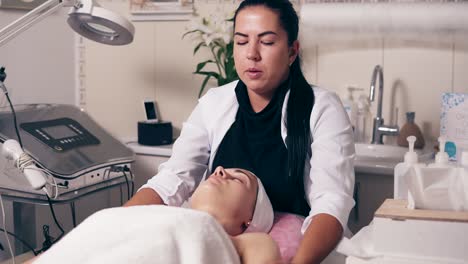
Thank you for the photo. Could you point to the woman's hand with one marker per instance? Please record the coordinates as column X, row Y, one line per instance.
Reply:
column 320, row 238
column 257, row 248
column 145, row 196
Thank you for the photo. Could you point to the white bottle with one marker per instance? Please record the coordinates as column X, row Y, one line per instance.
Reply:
column 400, row 187
column 441, row 158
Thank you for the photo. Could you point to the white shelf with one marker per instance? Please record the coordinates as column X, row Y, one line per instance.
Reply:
column 161, row 151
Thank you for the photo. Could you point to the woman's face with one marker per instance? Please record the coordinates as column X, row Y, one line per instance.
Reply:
column 261, row 52
column 229, row 195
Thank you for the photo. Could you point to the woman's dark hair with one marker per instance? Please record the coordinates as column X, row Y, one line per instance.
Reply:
column 301, row 96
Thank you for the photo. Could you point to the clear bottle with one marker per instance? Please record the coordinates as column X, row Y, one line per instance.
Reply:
column 362, row 119
column 350, row 106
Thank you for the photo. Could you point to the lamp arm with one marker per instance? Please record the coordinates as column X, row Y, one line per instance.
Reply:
column 30, row 18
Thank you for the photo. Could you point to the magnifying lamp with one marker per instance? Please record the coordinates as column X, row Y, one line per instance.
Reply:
column 85, row 17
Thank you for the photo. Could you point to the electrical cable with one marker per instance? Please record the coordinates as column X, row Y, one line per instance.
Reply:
column 5, row 232
column 72, row 208
column 25, row 160
column 55, row 184
column 22, row 162
column 12, row 234
column 14, row 120
column 21, row 240
column 48, row 239
column 5, row 91
column 128, row 186
column 121, row 195
column 55, row 218
column 106, row 174
column 131, row 177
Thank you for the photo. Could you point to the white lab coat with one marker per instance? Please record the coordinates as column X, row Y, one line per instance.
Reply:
column 328, row 172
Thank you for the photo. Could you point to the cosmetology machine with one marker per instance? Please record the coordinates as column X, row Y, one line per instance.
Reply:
column 73, row 151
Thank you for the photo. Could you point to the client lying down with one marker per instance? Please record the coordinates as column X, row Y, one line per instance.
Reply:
column 230, row 216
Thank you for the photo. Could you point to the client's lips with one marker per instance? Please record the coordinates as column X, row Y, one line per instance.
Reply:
column 254, row 73
column 214, row 179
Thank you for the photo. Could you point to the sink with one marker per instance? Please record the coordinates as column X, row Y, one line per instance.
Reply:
column 380, row 152
column 382, row 159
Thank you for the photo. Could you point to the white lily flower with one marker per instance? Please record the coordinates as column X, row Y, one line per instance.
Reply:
column 212, row 31
column 208, row 38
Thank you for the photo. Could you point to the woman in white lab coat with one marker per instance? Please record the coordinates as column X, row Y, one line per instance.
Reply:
column 296, row 138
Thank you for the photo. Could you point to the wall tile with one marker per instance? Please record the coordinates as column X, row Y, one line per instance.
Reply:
column 340, row 66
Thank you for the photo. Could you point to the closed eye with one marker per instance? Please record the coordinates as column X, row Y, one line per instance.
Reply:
column 238, row 180
column 242, row 176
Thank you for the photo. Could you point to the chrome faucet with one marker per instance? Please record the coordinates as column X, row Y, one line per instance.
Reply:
column 379, row 129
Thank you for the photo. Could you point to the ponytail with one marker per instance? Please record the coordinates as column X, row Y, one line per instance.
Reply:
column 300, row 103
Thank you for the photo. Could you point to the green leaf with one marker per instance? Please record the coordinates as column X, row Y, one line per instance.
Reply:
column 222, row 81
column 214, row 74
column 202, row 64
column 219, row 54
column 190, row 32
column 201, row 44
column 205, row 81
column 229, row 49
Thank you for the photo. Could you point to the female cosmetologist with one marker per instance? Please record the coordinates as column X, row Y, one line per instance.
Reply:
column 296, row 138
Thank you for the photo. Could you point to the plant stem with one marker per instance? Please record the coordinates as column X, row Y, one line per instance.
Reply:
column 217, row 62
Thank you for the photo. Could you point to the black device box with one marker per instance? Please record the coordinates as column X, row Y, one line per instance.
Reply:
column 154, row 133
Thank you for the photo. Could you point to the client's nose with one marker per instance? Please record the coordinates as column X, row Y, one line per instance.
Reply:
column 220, row 171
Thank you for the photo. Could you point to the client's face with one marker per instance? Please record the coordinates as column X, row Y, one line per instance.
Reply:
column 229, row 195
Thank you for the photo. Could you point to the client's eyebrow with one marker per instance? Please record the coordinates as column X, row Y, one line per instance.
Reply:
column 260, row 35
column 244, row 172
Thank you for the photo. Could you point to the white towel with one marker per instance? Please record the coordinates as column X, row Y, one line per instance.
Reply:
column 360, row 245
column 145, row 234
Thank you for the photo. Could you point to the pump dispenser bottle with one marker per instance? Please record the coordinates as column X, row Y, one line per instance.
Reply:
column 400, row 189
column 441, row 158
column 350, row 106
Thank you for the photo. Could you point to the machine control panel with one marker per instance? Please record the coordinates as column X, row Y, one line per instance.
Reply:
column 60, row 134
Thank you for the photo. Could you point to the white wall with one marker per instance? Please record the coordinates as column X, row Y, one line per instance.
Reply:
column 40, row 62
column 159, row 64
column 415, row 75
